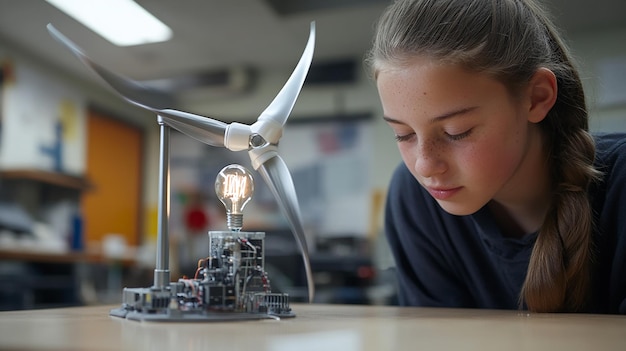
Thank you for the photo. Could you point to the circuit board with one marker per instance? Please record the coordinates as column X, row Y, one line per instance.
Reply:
column 229, row 284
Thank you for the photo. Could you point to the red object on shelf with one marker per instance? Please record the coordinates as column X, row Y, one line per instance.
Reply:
column 196, row 220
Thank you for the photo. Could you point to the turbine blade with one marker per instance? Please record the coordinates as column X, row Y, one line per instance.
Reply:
column 203, row 129
column 275, row 173
column 131, row 90
column 279, row 109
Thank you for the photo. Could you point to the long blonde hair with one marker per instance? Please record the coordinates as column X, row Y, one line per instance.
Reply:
column 511, row 39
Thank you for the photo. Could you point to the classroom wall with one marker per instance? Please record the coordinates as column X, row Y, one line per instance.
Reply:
column 602, row 59
column 43, row 121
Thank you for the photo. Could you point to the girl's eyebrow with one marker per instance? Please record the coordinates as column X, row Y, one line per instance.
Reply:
column 444, row 116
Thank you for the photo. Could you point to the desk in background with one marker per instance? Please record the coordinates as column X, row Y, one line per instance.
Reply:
column 31, row 279
column 318, row 327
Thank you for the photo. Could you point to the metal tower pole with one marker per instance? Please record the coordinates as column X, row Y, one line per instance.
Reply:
column 162, row 270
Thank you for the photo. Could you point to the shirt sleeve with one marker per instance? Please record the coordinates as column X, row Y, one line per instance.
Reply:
column 610, row 206
column 614, row 209
column 618, row 270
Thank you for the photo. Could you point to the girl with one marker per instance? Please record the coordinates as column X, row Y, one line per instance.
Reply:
column 504, row 200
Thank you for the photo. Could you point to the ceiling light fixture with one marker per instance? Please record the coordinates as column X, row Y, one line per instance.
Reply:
column 122, row 22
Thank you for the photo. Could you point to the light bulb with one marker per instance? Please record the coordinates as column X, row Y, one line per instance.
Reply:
column 234, row 187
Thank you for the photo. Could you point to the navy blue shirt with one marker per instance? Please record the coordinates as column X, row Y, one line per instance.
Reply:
column 446, row 260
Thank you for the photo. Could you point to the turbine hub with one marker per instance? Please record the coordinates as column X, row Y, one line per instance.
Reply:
column 257, row 140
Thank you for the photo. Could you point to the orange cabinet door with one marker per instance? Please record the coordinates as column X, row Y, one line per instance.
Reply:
column 114, row 159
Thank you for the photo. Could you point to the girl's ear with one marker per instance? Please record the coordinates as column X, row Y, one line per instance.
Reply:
column 542, row 90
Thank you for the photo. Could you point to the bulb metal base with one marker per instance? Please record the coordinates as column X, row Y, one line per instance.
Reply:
column 234, row 221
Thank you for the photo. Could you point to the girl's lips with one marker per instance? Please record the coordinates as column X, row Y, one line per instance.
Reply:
column 443, row 194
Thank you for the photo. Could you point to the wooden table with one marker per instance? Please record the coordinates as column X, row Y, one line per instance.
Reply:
column 317, row 327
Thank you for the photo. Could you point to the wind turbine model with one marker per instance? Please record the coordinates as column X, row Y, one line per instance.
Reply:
column 260, row 139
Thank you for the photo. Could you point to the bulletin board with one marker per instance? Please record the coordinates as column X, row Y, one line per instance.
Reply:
column 42, row 121
column 329, row 159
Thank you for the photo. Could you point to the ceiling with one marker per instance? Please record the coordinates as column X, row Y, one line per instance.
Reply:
column 217, row 34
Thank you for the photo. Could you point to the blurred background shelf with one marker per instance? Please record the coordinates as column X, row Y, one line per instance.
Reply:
column 46, row 177
column 33, row 280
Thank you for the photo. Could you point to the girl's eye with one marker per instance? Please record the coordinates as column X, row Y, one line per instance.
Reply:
column 405, row 137
column 459, row 136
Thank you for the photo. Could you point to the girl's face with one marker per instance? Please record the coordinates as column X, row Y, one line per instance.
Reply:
column 461, row 134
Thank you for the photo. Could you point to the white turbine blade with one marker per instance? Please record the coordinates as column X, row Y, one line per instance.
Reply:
column 275, row 173
column 203, row 129
column 132, row 91
column 279, row 109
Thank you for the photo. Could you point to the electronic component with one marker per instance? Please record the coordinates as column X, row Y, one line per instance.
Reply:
column 230, row 283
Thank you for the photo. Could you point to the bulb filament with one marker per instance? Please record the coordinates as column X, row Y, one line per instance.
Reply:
column 235, row 186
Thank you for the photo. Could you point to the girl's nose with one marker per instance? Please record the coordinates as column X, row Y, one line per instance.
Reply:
column 429, row 160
